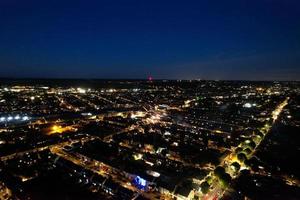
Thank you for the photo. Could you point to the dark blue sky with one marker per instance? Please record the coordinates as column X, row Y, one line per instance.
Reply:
column 208, row 39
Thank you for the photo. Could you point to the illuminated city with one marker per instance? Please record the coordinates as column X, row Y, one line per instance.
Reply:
column 149, row 100
column 148, row 140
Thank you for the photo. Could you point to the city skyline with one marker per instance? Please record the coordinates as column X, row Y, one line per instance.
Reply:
column 149, row 140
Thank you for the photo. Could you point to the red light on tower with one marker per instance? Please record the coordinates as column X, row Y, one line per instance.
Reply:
column 150, row 78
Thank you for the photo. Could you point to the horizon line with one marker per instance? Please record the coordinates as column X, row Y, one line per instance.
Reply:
column 142, row 79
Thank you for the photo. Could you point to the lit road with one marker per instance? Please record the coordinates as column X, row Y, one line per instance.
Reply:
column 130, row 128
column 217, row 191
column 22, row 153
column 124, row 179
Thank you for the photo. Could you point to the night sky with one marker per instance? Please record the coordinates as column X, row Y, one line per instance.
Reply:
column 207, row 39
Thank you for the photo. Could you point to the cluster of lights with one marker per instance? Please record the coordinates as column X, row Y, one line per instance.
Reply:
column 138, row 115
column 86, row 114
column 59, row 129
column 154, row 119
column 81, row 90
column 15, row 118
column 249, row 105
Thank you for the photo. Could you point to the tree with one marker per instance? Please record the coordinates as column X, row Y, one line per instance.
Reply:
column 247, row 151
column 260, row 134
column 204, row 187
column 225, row 180
column 238, row 150
column 236, row 166
column 252, row 144
column 247, row 162
column 253, row 163
column 242, row 157
column 219, row 171
column 209, row 179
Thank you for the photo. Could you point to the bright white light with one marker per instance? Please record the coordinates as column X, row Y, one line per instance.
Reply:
column 153, row 173
column 80, row 90
column 86, row 114
column 10, row 118
column 25, row 118
column 32, row 98
column 167, row 133
column 247, row 105
column 17, row 117
column 2, row 119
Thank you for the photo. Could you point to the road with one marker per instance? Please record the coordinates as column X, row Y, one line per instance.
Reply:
column 217, row 191
column 124, row 179
column 22, row 153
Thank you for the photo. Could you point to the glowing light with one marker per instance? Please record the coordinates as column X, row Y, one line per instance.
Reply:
column 17, row 117
column 149, row 163
column 25, row 118
column 137, row 156
column 175, row 144
column 60, row 129
column 153, row 173
column 56, row 128
column 80, row 90
column 86, row 114
column 167, row 133
column 247, row 105
column 137, row 115
column 140, row 182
